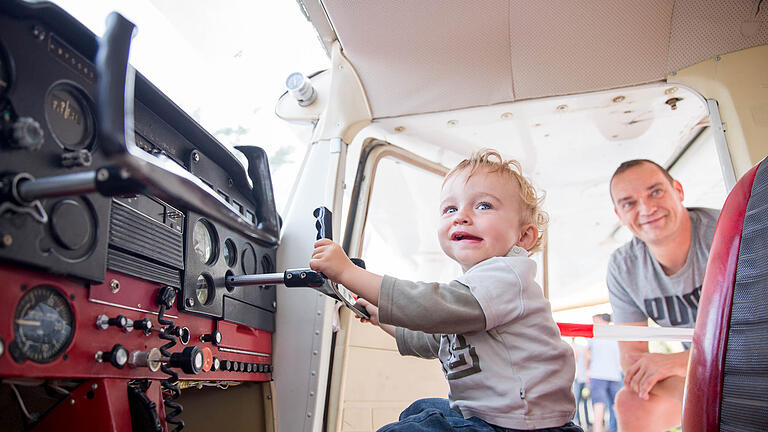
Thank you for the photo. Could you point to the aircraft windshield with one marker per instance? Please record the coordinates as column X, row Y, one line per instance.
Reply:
column 224, row 64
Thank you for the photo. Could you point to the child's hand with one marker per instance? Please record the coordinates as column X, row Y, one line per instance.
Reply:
column 372, row 310
column 329, row 258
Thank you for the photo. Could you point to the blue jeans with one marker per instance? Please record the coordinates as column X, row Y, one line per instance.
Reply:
column 434, row 414
column 604, row 391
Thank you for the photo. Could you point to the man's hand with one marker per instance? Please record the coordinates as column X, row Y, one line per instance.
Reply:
column 329, row 258
column 649, row 368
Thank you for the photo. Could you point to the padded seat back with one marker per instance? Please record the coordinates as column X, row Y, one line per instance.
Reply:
column 727, row 383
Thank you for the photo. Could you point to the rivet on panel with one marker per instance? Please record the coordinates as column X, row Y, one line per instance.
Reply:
column 670, row 90
column 562, row 107
column 618, row 99
column 506, row 116
column 399, row 129
column 452, row 123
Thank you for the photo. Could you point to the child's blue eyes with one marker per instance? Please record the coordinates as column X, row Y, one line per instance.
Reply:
column 481, row 206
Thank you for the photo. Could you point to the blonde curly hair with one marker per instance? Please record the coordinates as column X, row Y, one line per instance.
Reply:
column 491, row 161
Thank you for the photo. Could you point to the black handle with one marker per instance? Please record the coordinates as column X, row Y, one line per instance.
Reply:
column 293, row 278
column 258, row 171
column 324, row 223
column 114, row 85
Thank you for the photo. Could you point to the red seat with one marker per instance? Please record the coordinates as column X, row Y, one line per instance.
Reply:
column 727, row 384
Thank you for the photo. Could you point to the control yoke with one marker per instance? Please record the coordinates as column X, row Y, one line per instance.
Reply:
column 308, row 278
column 134, row 171
column 159, row 175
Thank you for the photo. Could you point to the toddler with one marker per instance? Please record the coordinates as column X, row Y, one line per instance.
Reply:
column 492, row 328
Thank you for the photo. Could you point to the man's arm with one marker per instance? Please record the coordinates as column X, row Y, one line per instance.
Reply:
column 645, row 372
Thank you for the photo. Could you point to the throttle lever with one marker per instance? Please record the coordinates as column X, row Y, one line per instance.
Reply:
column 308, row 278
column 324, row 226
column 324, row 223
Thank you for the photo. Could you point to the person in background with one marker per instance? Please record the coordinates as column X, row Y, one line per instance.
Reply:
column 605, row 378
column 580, row 383
column 658, row 276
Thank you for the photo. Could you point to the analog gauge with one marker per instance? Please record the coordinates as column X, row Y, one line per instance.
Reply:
column 204, row 289
column 230, row 252
column 249, row 260
column 69, row 116
column 204, row 241
column 43, row 325
column 5, row 75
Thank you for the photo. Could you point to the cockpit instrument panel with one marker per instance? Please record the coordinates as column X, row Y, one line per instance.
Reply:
column 97, row 282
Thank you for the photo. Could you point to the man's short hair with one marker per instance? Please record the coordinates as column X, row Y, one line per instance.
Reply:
column 603, row 316
column 625, row 166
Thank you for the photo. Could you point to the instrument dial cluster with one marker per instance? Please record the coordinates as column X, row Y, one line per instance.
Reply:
column 43, row 325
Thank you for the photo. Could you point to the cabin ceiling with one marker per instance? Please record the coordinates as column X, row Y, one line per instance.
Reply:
column 423, row 56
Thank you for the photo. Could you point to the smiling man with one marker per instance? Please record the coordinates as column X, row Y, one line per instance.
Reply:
column 657, row 275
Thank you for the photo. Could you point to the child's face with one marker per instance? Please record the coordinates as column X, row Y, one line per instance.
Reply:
column 480, row 218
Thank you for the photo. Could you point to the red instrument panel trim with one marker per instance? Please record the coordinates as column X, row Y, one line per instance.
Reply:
column 135, row 299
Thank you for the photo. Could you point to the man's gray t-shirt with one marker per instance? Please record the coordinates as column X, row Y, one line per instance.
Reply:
column 639, row 289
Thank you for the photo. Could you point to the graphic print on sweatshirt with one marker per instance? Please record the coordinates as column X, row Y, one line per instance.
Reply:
column 462, row 358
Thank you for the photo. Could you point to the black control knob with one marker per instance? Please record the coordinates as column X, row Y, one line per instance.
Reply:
column 248, row 367
column 117, row 356
column 216, row 365
column 26, row 133
column 143, row 324
column 103, row 322
column 190, row 360
column 166, row 296
column 213, row 337
column 227, row 365
column 79, row 158
column 183, row 334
